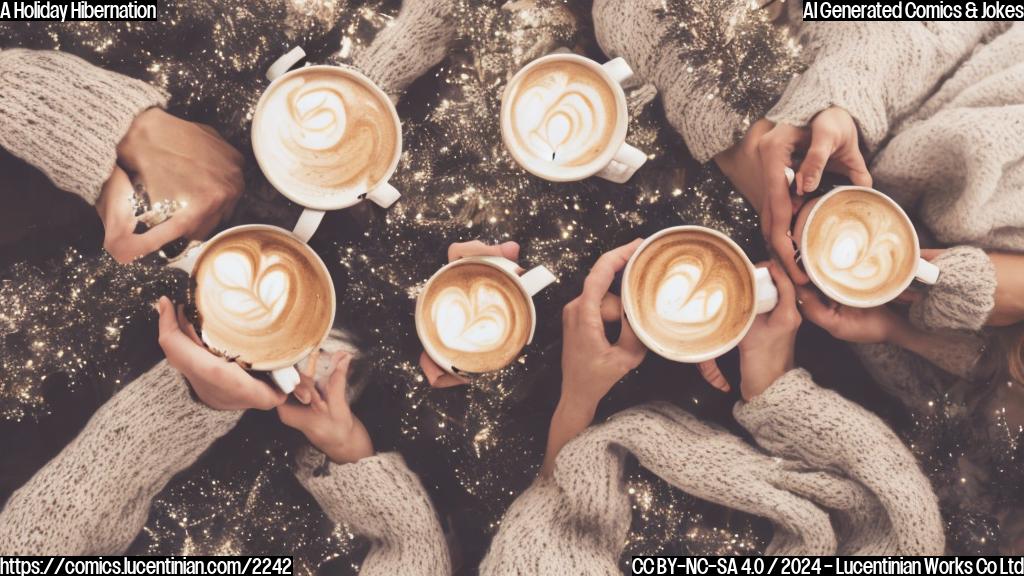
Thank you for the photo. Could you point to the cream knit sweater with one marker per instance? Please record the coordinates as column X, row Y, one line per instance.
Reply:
column 831, row 477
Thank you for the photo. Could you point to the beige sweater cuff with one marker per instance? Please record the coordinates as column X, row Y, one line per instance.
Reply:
column 381, row 499
column 66, row 117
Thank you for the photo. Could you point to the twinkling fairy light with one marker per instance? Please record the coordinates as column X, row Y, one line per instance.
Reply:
column 475, row 448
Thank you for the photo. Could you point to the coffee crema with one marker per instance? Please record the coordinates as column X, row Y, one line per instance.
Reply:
column 690, row 292
column 320, row 132
column 475, row 316
column 262, row 297
column 860, row 245
column 560, row 115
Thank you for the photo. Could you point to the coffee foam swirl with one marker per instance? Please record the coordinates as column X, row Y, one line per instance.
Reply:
column 260, row 298
column 323, row 133
column 860, row 246
column 476, row 317
column 690, row 292
column 562, row 114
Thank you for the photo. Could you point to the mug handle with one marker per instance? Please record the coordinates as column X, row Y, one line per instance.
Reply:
column 766, row 293
column 533, row 281
column 308, row 222
column 926, row 273
column 286, row 378
column 537, row 279
column 285, row 63
column 384, row 195
column 624, row 164
column 618, row 70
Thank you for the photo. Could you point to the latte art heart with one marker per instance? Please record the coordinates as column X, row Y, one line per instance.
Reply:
column 253, row 292
column 474, row 317
column 477, row 321
column 690, row 292
column 860, row 246
column 561, row 115
column 262, row 296
column 320, row 132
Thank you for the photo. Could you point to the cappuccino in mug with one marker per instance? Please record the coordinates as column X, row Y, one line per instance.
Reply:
column 563, row 118
column 264, row 297
column 323, row 133
column 860, row 248
column 691, row 294
column 476, row 314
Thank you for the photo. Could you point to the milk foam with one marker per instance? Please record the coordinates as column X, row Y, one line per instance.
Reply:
column 475, row 322
column 860, row 245
column 262, row 297
column 321, row 134
column 690, row 292
column 561, row 115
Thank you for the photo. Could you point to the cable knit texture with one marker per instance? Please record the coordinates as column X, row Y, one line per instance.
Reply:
column 416, row 41
column 964, row 296
column 833, row 480
column 880, row 72
column 633, row 30
column 65, row 116
column 958, row 163
column 379, row 498
column 94, row 497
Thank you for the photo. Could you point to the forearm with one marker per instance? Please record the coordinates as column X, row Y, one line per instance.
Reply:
column 94, row 497
column 954, row 352
column 571, row 417
column 66, row 117
column 1009, row 293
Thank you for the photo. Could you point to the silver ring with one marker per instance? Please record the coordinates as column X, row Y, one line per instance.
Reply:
column 149, row 213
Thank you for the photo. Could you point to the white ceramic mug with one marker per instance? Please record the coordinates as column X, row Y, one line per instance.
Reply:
column 530, row 283
column 766, row 297
column 284, row 373
column 618, row 161
column 924, row 272
column 384, row 194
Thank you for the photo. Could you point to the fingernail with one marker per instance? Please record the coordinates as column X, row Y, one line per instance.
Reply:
column 302, row 395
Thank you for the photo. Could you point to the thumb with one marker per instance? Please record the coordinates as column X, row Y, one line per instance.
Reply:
column 822, row 147
column 510, row 250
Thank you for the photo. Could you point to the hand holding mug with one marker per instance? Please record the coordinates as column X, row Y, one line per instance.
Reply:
column 328, row 422
column 766, row 352
column 219, row 384
column 832, row 144
column 177, row 161
column 437, row 376
column 860, row 325
column 591, row 364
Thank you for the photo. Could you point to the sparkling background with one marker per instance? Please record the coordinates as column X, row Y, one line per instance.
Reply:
column 475, row 448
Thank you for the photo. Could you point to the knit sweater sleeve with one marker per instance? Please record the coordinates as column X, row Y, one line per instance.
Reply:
column 796, row 419
column 66, row 117
column 380, row 499
column 633, row 30
column 877, row 71
column 94, row 497
column 417, row 40
column 963, row 297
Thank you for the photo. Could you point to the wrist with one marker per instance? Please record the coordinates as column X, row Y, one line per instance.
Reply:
column 576, row 409
column 900, row 333
column 138, row 134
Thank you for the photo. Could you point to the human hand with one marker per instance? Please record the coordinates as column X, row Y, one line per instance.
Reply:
column 176, row 160
column 328, row 422
column 220, row 384
column 436, row 375
column 591, row 364
column 832, row 144
column 766, row 352
column 860, row 325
